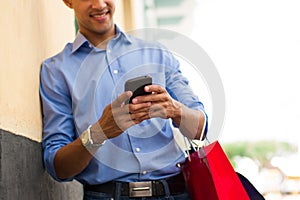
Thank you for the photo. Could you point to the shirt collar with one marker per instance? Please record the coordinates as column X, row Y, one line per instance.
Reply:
column 81, row 39
column 120, row 32
column 78, row 42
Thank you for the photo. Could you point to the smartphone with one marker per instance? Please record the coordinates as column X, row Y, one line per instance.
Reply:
column 136, row 85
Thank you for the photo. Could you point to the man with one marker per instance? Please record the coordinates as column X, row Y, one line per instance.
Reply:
column 116, row 150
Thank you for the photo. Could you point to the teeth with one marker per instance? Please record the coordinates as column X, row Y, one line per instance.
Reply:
column 99, row 14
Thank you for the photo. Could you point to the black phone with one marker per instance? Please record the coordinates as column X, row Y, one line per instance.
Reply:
column 136, row 85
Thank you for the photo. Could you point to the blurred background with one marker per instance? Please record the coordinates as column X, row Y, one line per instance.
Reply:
column 255, row 46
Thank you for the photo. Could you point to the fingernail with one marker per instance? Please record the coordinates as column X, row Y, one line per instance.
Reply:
column 129, row 93
column 146, row 88
column 134, row 100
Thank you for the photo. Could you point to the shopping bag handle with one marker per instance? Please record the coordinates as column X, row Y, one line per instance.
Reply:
column 201, row 140
column 201, row 144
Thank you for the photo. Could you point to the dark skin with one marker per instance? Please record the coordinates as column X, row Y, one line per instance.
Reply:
column 96, row 24
column 117, row 117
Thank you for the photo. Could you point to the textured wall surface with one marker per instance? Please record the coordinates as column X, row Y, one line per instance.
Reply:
column 31, row 31
column 23, row 176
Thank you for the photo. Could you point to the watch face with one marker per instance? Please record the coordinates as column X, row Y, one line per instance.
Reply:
column 85, row 138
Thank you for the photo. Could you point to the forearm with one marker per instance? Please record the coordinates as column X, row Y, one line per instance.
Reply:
column 74, row 157
column 71, row 159
column 191, row 122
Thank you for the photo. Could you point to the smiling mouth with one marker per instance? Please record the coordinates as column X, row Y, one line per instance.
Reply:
column 99, row 14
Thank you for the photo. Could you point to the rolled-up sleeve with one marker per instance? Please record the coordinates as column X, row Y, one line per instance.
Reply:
column 58, row 123
column 178, row 87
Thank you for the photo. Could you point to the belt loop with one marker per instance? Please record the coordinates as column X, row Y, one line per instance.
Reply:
column 117, row 192
column 167, row 190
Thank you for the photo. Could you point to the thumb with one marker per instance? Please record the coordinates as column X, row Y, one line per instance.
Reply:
column 122, row 98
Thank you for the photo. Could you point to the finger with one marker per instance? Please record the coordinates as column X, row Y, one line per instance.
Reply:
column 142, row 118
column 120, row 100
column 139, row 115
column 135, row 121
column 134, row 108
column 145, row 110
column 155, row 88
column 151, row 98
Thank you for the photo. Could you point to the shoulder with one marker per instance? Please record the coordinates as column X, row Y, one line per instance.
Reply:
column 154, row 47
column 55, row 67
column 54, row 73
column 149, row 46
column 56, row 60
column 146, row 43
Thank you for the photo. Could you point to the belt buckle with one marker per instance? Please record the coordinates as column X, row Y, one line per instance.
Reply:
column 140, row 189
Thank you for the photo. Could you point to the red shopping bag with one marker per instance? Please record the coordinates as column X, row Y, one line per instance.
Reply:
column 210, row 176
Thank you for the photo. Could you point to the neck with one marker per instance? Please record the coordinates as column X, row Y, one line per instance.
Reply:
column 101, row 40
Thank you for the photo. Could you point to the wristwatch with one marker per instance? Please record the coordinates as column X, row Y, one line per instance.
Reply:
column 87, row 140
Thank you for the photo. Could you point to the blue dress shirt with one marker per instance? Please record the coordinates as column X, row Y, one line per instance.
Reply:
column 78, row 83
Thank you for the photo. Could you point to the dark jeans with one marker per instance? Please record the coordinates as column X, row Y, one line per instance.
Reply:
column 88, row 195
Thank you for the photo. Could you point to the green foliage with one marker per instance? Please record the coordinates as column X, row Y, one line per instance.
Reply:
column 261, row 151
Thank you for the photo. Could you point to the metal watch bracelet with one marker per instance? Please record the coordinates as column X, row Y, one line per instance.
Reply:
column 87, row 140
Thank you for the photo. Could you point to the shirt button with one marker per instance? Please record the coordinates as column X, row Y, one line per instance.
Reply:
column 90, row 45
column 116, row 71
column 144, row 172
column 108, row 51
column 138, row 149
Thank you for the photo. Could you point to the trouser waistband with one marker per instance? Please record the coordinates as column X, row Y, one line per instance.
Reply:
column 169, row 186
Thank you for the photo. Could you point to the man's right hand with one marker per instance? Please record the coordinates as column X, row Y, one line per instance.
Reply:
column 118, row 116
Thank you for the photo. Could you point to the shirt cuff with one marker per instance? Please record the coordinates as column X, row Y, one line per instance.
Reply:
column 49, row 164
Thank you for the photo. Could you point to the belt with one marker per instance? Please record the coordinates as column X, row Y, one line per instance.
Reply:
column 175, row 184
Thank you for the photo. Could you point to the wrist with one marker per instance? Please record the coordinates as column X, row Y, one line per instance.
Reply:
column 92, row 139
column 177, row 113
column 97, row 134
